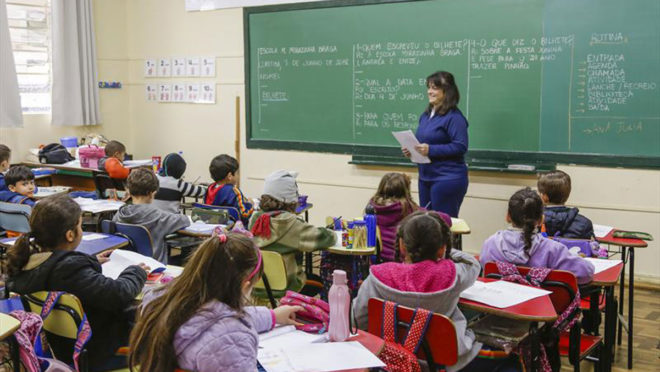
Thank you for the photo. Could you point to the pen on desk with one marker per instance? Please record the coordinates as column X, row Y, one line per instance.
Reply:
column 196, row 179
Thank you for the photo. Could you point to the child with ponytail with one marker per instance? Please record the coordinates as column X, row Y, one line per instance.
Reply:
column 199, row 321
column 45, row 260
column 431, row 276
column 522, row 243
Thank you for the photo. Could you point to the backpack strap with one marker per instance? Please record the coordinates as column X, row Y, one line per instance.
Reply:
column 389, row 321
column 418, row 327
column 84, row 332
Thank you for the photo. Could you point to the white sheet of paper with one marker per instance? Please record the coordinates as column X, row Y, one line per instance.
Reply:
column 602, row 264
column 408, row 140
column 98, row 206
column 137, row 163
column 90, row 237
column 173, row 271
column 10, row 241
column 601, row 231
column 121, row 259
column 501, row 294
column 200, row 227
column 324, row 357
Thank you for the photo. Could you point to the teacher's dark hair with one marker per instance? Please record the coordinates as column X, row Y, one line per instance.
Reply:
column 445, row 81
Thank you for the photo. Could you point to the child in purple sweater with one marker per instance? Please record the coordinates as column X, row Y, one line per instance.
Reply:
column 522, row 244
column 199, row 321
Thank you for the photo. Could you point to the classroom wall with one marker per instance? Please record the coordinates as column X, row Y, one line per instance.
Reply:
column 157, row 28
column 110, row 25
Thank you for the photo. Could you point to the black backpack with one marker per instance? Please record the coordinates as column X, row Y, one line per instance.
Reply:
column 54, row 153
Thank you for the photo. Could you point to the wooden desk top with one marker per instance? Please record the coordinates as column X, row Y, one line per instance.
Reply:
column 8, row 325
column 459, row 226
column 539, row 309
column 352, row 251
column 609, row 277
column 622, row 242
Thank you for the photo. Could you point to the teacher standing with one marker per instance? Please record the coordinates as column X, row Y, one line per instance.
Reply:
column 443, row 137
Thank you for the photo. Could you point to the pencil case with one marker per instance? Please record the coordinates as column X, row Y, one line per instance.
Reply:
column 632, row 235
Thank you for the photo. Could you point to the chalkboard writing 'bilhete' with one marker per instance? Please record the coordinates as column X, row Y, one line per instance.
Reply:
column 573, row 77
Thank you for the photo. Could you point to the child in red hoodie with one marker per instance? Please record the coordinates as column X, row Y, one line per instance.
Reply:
column 115, row 152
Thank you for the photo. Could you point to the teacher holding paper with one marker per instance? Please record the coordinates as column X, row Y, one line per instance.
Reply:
column 443, row 137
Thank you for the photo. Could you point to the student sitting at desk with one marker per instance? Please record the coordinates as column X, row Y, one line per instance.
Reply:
column 112, row 163
column 20, row 182
column 431, row 276
column 199, row 321
column 224, row 192
column 49, row 263
column 522, row 244
column 142, row 185
column 392, row 203
column 276, row 227
column 171, row 187
column 5, row 156
column 560, row 220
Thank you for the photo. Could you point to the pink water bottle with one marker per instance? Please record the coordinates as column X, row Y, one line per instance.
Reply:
column 339, row 299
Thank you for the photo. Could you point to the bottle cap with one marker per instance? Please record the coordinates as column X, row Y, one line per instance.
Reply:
column 339, row 277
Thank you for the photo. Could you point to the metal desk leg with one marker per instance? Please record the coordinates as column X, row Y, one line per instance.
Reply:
column 631, row 306
column 535, row 346
column 308, row 263
column 610, row 330
column 621, row 293
column 15, row 356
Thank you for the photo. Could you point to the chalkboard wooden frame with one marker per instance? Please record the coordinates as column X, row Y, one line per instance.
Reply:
column 386, row 155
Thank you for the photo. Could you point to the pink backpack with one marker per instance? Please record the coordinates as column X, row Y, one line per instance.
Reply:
column 90, row 156
column 316, row 313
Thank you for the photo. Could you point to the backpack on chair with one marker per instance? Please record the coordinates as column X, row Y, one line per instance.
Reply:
column 401, row 355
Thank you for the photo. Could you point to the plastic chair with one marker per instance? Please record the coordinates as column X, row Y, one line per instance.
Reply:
column 61, row 325
column 440, row 344
column 15, row 217
column 138, row 236
column 274, row 277
column 106, row 186
column 233, row 212
column 563, row 285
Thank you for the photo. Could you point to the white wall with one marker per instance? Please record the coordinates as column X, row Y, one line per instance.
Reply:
column 130, row 31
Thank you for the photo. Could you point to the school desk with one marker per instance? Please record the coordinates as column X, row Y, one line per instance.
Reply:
column 73, row 175
column 459, row 228
column 43, row 192
column 626, row 247
column 608, row 279
column 539, row 309
column 77, row 177
column 91, row 247
column 9, row 325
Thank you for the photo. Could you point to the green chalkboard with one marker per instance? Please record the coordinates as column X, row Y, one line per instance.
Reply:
column 562, row 80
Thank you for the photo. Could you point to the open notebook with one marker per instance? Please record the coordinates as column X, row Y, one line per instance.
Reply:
column 121, row 259
column 287, row 349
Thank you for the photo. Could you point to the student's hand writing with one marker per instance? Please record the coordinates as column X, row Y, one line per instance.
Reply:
column 287, row 315
column 405, row 152
column 423, row 148
column 144, row 267
column 104, row 257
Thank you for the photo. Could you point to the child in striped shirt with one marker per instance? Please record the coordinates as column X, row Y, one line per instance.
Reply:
column 172, row 188
column 224, row 192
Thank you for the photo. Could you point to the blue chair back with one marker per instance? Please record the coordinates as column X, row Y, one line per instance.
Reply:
column 138, row 236
column 15, row 217
column 233, row 212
